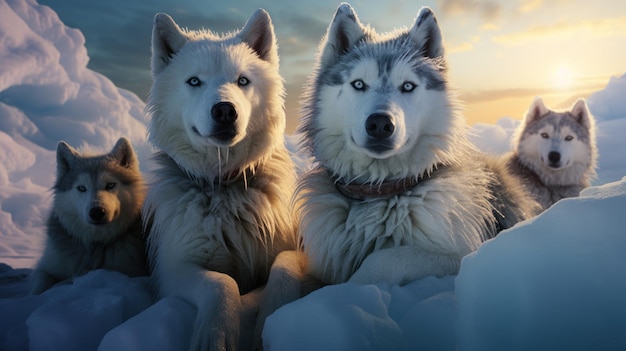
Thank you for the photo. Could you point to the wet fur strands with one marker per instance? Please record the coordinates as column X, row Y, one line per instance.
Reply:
column 95, row 220
column 218, row 208
column 554, row 152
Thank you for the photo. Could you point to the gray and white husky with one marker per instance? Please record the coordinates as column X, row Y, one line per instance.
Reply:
column 218, row 209
column 95, row 221
column 399, row 193
column 554, row 152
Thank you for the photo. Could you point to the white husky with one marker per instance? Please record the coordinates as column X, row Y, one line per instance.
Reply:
column 398, row 192
column 95, row 220
column 554, row 152
column 218, row 207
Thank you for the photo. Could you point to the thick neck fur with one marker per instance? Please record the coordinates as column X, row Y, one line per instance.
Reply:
column 187, row 216
column 445, row 213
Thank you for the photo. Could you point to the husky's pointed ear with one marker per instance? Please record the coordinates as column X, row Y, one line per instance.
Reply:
column 167, row 39
column 537, row 110
column 581, row 113
column 124, row 154
column 258, row 33
column 427, row 34
column 66, row 157
column 344, row 31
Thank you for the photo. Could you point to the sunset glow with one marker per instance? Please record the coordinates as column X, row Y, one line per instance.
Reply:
column 562, row 78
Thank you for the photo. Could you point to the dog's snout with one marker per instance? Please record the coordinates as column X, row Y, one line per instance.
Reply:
column 224, row 112
column 97, row 213
column 379, row 125
column 554, row 157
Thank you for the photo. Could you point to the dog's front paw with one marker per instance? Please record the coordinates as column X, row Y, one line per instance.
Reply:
column 403, row 264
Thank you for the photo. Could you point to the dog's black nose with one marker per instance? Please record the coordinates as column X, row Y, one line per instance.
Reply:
column 379, row 125
column 554, row 157
column 224, row 112
column 97, row 213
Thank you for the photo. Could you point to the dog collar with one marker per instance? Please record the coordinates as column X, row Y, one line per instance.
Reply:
column 383, row 190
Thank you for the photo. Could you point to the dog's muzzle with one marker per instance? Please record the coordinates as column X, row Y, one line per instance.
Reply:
column 224, row 115
column 379, row 128
column 554, row 159
column 98, row 215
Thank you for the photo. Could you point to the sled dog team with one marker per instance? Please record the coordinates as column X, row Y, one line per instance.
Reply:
column 397, row 191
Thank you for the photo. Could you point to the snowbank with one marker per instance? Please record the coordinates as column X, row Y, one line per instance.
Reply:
column 554, row 282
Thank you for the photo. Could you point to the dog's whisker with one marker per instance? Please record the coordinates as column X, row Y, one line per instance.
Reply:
column 219, row 166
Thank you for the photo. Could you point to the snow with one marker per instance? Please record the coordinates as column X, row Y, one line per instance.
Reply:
column 556, row 281
column 559, row 282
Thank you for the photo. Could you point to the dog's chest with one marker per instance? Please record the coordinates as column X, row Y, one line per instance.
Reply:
column 222, row 230
column 338, row 239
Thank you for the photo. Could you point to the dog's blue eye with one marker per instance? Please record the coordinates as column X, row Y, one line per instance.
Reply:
column 569, row 138
column 545, row 135
column 81, row 188
column 408, row 87
column 194, row 81
column 110, row 186
column 358, row 85
column 243, row 81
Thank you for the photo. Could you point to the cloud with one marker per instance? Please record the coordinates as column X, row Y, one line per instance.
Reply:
column 497, row 94
column 487, row 10
column 596, row 27
column 529, row 5
column 462, row 47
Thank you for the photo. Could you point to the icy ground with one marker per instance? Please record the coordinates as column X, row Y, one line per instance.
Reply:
column 556, row 282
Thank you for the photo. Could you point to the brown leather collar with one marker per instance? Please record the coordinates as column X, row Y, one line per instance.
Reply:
column 384, row 190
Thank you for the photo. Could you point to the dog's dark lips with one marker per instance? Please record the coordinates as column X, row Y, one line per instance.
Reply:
column 224, row 135
column 376, row 147
column 379, row 147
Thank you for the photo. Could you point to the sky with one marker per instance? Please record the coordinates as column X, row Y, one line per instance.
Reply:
column 501, row 54
column 554, row 282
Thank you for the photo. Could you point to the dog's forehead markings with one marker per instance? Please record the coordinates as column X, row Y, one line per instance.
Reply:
column 566, row 130
column 82, row 177
column 549, row 128
column 107, row 177
column 398, row 57
column 85, row 179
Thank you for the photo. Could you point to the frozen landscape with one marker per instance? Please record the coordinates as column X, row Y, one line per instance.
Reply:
column 555, row 282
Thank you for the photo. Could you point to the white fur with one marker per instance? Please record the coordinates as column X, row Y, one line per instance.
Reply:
column 461, row 197
column 95, row 219
column 219, row 209
column 425, row 230
column 571, row 134
column 446, row 216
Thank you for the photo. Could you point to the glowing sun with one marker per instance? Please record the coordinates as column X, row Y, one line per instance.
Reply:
column 562, row 78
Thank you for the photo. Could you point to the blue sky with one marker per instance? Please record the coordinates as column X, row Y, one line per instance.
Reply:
column 501, row 54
